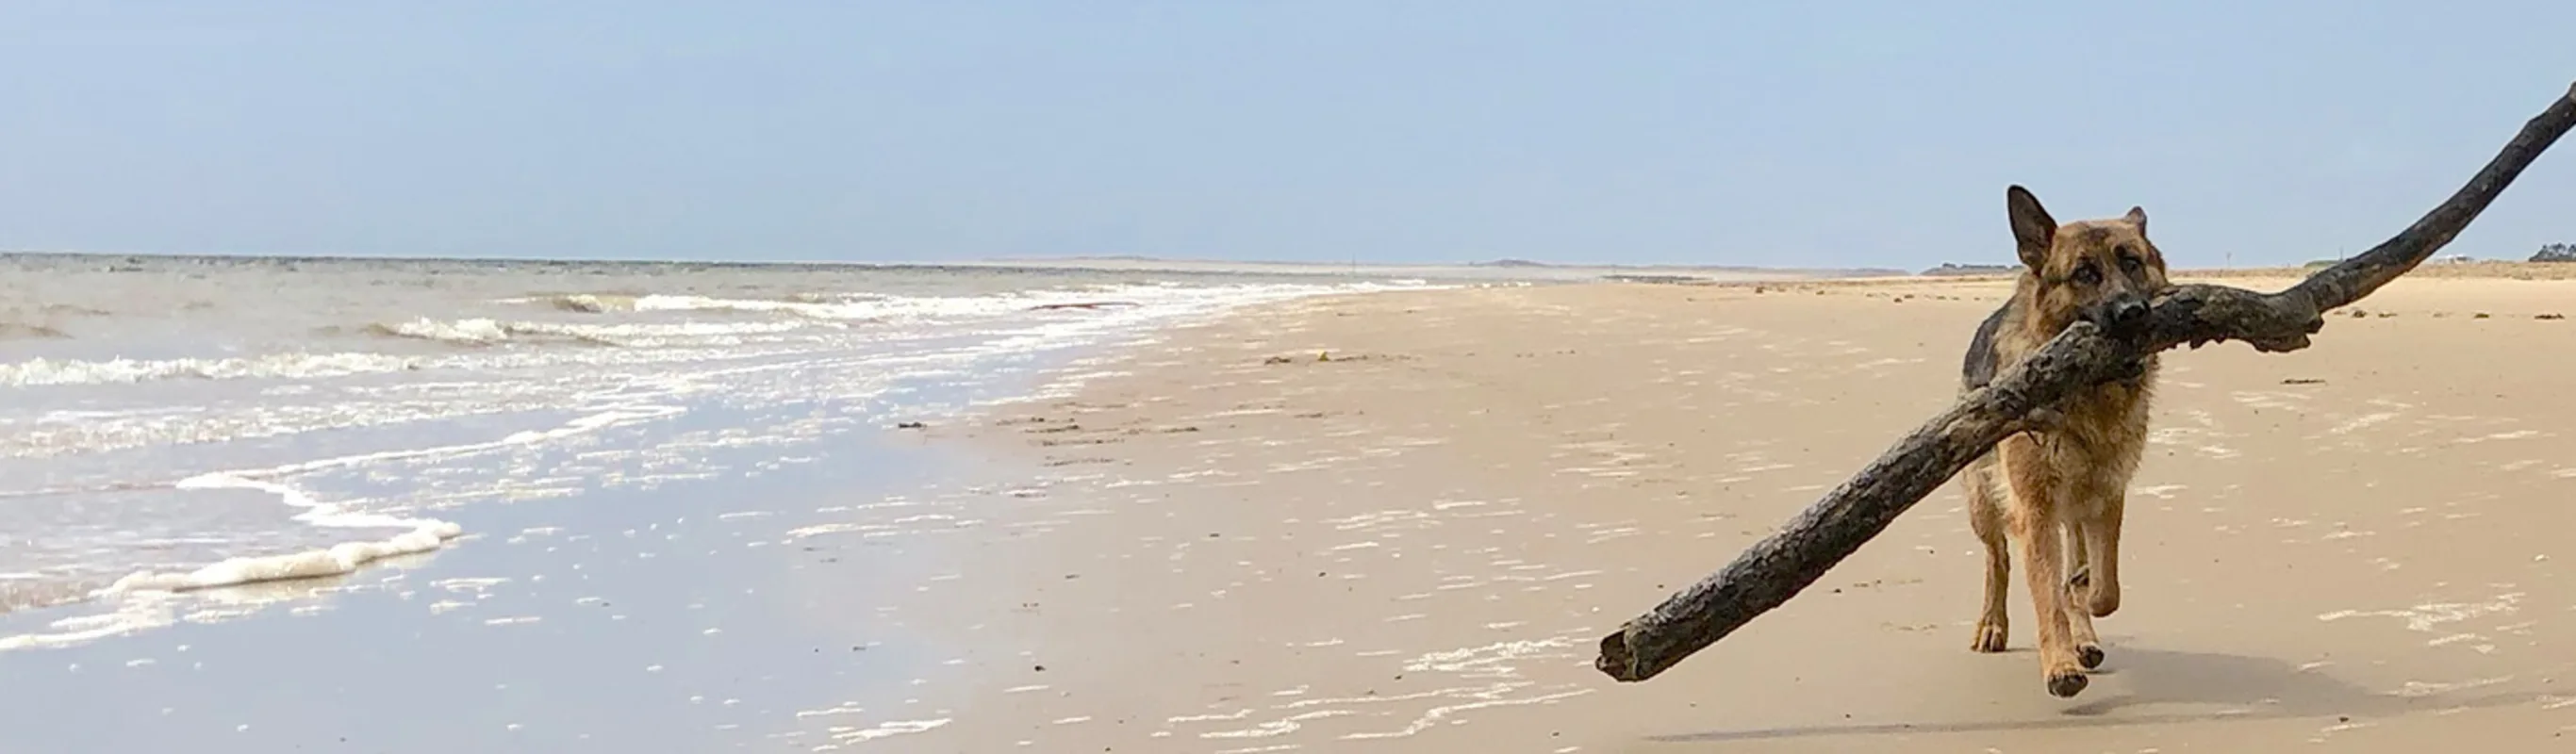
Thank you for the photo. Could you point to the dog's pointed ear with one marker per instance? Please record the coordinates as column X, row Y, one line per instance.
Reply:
column 2137, row 216
column 2033, row 230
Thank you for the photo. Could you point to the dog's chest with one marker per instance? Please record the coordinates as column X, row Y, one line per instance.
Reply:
column 2108, row 418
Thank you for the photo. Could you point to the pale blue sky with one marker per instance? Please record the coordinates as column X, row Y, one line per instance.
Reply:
column 1816, row 134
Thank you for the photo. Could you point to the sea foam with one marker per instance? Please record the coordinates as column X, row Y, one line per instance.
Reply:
column 484, row 331
column 41, row 372
column 335, row 560
column 423, row 535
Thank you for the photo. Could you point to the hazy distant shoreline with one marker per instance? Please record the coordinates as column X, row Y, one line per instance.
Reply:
column 1501, row 270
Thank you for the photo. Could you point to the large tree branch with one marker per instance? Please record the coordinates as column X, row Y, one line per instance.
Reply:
column 1778, row 567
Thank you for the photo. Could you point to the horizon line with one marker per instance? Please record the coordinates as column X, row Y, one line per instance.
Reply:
column 1027, row 260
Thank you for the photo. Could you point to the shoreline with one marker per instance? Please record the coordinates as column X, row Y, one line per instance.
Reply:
column 772, row 604
column 782, row 607
column 183, row 436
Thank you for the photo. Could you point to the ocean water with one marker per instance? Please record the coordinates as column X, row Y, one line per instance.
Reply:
column 182, row 428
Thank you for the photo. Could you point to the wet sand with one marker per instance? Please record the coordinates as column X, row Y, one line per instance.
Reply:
column 775, row 610
column 1398, row 522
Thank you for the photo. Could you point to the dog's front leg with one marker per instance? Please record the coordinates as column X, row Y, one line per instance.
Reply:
column 2037, row 490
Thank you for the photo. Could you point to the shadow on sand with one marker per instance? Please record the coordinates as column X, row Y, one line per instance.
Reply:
column 2246, row 688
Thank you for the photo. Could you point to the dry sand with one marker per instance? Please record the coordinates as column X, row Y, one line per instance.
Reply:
column 1413, row 544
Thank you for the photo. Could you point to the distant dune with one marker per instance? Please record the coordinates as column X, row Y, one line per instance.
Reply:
column 1954, row 269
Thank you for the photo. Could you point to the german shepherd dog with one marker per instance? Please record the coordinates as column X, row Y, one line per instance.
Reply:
column 2059, row 490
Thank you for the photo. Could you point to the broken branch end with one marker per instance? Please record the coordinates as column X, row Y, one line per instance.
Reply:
column 1616, row 660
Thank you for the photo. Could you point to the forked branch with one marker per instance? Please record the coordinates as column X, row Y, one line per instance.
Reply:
column 1778, row 567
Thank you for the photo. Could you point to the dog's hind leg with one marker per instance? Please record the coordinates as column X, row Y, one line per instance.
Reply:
column 1986, row 516
column 2102, row 539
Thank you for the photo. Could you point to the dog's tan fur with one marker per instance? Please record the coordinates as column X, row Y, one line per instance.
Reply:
column 2059, row 491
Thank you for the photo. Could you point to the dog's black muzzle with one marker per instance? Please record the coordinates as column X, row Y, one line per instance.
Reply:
column 2124, row 315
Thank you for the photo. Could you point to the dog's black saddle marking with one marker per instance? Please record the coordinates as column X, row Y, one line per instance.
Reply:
column 1979, row 366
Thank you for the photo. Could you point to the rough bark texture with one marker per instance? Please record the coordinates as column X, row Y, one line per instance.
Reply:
column 1778, row 567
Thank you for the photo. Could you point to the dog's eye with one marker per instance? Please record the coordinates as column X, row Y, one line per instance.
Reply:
column 2130, row 263
column 2088, row 274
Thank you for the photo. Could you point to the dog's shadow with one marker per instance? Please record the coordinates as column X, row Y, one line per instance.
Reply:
column 2221, row 686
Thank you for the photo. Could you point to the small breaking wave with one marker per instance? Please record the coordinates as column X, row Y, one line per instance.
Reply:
column 804, row 306
column 611, row 303
column 472, row 332
column 592, row 303
column 20, row 331
column 42, row 372
column 146, row 599
column 485, row 332
column 74, row 310
column 424, row 535
column 335, row 560
column 420, row 534
column 843, row 307
column 859, row 307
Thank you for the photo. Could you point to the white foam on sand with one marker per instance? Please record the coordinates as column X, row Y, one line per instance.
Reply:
column 844, row 735
column 132, row 615
column 419, row 535
column 423, row 535
column 139, row 600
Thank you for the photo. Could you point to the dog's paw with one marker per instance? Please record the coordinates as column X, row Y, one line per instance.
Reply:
column 1990, row 637
column 2089, row 654
column 2065, row 683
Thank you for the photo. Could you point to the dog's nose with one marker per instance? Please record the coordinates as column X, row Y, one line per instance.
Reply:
column 2128, row 312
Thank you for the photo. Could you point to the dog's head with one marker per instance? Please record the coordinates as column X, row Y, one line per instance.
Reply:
column 2098, row 270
